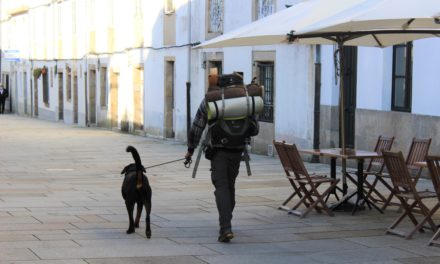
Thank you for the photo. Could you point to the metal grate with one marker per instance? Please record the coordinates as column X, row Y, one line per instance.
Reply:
column 267, row 80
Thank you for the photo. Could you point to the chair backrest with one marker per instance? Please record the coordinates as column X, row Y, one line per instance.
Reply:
column 295, row 160
column 282, row 154
column 433, row 163
column 383, row 144
column 418, row 151
column 398, row 171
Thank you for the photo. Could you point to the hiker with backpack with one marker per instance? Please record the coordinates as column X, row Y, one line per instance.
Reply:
column 230, row 110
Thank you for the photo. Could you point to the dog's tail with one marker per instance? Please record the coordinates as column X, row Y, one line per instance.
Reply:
column 136, row 157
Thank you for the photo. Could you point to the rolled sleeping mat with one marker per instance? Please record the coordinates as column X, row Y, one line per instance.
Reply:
column 235, row 108
column 233, row 91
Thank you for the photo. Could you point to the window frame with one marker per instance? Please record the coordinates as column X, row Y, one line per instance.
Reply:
column 221, row 18
column 407, row 76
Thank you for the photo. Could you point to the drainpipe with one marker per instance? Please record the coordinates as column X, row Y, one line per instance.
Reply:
column 188, row 83
column 317, row 106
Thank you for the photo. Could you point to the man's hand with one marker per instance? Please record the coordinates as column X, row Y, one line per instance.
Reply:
column 188, row 155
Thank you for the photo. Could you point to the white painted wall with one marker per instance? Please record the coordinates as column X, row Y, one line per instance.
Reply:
column 426, row 77
column 294, row 94
column 374, row 78
column 329, row 87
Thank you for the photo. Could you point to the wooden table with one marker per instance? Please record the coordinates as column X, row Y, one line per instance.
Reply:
column 353, row 154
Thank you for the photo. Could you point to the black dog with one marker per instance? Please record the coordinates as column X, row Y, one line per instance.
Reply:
column 136, row 190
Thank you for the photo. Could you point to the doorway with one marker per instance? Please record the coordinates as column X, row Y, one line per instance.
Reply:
column 114, row 78
column 35, row 96
column 60, row 97
column 350, row 79
column 75, row 98
column 169, row 99
column 138, row 81
column 25, row 94
column 92, row 96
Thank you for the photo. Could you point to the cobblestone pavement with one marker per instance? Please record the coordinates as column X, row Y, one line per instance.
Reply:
column 60, row 202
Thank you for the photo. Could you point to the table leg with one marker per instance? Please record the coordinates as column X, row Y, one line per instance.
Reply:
column 333, row 176
column 344, row 177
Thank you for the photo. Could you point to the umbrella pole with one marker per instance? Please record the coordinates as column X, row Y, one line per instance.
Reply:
column 341, row 96
column 342, row 114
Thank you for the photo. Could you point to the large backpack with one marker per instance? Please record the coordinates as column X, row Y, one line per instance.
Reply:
column 231, row 106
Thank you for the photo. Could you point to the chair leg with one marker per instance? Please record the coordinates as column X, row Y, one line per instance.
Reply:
column 417, row 177
column 283, row 205
column 372, row 190
column 390, row 197
column 306, row 195
column 331, row 188
column 434, row 238
column 407, row 212
column 295, row 192
column 352, row 179
column 428, row 215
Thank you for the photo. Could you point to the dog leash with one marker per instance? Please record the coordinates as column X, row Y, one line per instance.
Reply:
column 187, row 163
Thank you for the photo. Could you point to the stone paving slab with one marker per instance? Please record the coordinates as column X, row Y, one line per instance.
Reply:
column 260, row 259
column 60, row 203
column 138, row 250
column 62, row 261
column 148, row 260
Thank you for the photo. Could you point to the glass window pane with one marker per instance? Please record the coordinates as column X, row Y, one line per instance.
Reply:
column 400, row 93
column 400, row 61
column 264, row 8
column 402, row 64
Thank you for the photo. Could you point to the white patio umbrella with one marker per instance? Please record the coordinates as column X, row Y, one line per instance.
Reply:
column 273, row 29
column 376, row 23
column 380, row 24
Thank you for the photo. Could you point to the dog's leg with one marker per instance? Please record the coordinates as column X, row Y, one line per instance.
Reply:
column 130, row 209
column 138, row 215
column 147, row 218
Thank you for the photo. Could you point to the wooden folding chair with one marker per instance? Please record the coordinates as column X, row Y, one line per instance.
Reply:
column 417, row 152
column 308, row 185
column 375, row 166
column 433, row 163
column 284, row 159
column 405, row 190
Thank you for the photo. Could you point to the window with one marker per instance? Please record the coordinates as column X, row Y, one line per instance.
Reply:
column 264, row 8
column 69, row 84
column 45, row 86
column 266, row 78
column 215, row 16
column 169, row 7
column 402, row 79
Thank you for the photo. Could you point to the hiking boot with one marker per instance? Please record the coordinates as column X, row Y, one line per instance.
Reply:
column 225, row 236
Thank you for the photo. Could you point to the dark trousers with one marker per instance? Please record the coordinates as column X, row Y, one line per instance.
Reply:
column 224, row 170
column 2, row 105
